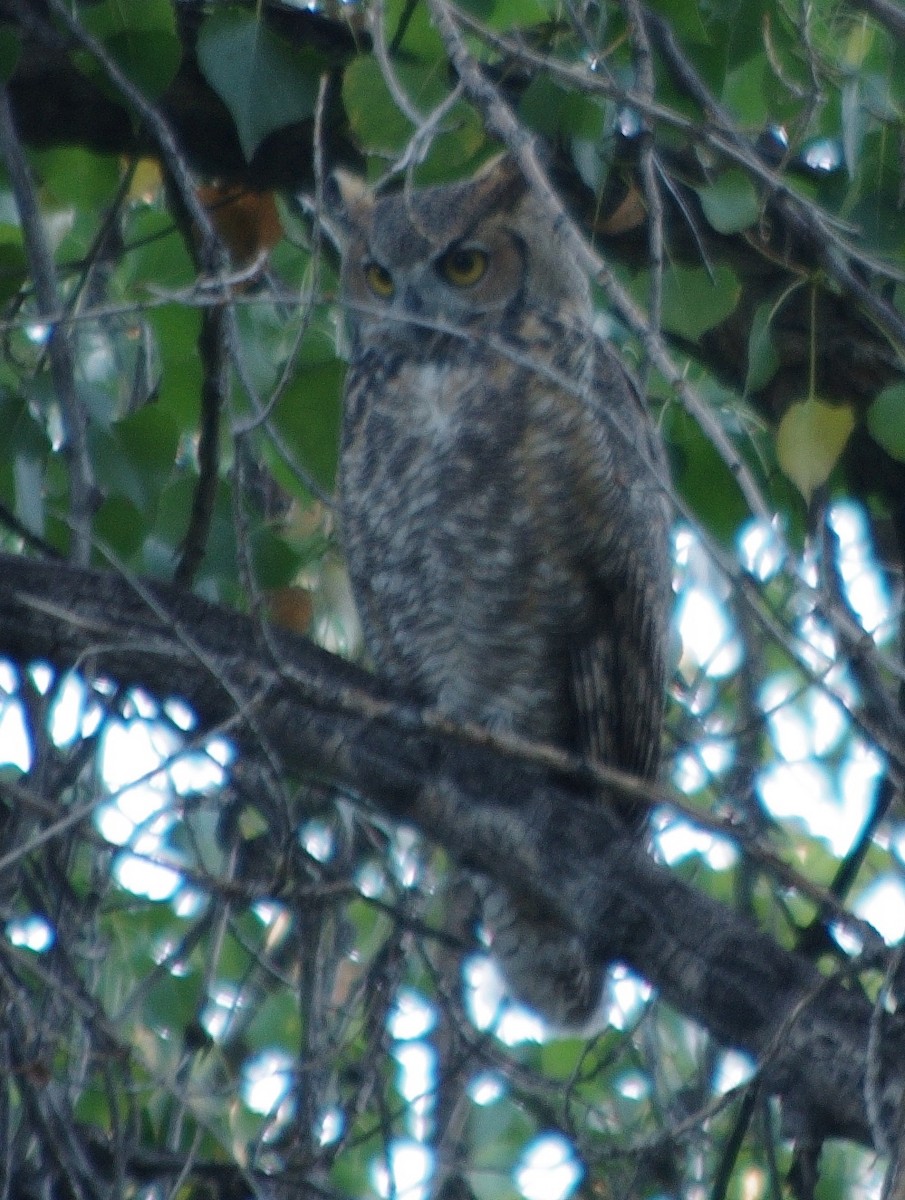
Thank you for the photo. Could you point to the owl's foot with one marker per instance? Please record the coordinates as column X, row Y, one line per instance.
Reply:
column 547, row 968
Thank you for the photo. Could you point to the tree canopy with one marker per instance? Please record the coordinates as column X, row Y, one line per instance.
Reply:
column 238, row 953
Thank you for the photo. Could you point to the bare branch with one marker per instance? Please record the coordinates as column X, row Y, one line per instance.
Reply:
column 511, row 823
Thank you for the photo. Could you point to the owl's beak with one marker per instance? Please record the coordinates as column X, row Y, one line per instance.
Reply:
column 409, row 302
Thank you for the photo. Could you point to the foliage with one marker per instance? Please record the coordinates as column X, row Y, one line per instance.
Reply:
column 220, row 976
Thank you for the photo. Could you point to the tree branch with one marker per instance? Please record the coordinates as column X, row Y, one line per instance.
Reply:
column 515, row 822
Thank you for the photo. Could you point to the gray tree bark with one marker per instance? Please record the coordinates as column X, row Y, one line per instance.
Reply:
column 837, row 1063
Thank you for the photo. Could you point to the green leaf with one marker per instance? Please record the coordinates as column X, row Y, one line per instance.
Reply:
column 308, row 416
column 380, row 126
column 731, row 202
column 684, row 19
column 553, row 110
column 174, row 1000
column 151, row 62
column 809, row 441
column 853, row 124
column 456, row 150
column 25, row 444
column 694, row 299
column 176, row 330
column 76, row 177
column 13, row 263
column 896, row 75
column 111, row 18
column 157, row 255
column 141, row 37
column 251, row 823
column 375, row 119
column 10, row 48
column 275, row 1021
column 562, row 1058
column 149, row 439
column 886, row 420
column 741, row 31
column 262, row 80
column 120, row 527
column 702, row 478
column 117, row 476
column 28, row 476
column 267, row 341
column 161, row 548
column 749, row 92
column 858, row 45
column 504, row 14
column 763, row 360
column 411, row 24
column 276, row 563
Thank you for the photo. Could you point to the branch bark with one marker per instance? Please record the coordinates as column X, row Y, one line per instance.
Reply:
column 812, row 1035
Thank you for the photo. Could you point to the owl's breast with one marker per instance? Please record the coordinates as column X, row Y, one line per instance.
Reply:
column 464, row 598
column 418, row 431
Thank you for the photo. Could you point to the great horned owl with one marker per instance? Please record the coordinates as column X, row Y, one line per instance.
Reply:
column 503, row 500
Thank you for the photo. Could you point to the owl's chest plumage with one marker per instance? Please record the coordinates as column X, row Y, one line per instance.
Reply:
column 457, row 536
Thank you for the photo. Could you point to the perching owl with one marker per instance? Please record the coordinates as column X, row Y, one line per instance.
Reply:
column 503, row 500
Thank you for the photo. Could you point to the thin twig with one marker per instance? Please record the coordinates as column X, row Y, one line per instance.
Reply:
column 21, row 530
column 82, row 491
column 214, row 393
column 376, row 19
column 648, row 163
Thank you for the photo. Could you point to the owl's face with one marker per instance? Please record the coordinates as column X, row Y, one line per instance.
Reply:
column 446, row 258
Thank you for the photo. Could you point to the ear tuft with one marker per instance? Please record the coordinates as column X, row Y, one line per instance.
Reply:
column 346, row 189
column 500, row 182
column 348, row 205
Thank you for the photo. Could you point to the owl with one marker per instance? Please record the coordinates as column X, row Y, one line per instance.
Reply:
column 503, row 501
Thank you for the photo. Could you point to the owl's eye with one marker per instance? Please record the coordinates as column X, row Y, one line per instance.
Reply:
column 463, row 266
column 379, row 280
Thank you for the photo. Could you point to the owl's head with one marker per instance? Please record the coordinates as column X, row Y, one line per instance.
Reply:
column 462, row 256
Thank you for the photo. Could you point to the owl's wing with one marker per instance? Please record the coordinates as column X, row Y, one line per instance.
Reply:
column 619, row 682
column 619, row 671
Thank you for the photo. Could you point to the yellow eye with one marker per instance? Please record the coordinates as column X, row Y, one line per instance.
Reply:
column 379, row 280
column 463, row 266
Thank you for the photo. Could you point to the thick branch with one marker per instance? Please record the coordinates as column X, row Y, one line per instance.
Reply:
column 535, row 834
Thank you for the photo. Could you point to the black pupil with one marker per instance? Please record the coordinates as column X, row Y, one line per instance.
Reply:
column 462, row 262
